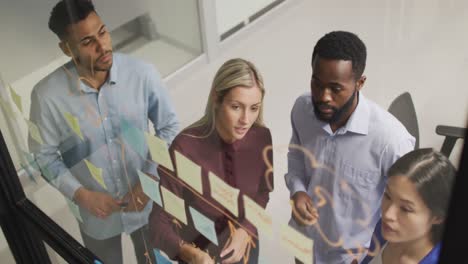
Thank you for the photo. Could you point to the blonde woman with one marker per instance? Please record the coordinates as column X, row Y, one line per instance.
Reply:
column 227, row 141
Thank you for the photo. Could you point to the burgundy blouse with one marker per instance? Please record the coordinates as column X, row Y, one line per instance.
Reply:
column 239, row 164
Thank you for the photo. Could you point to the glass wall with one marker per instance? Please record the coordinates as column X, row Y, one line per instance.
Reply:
column 88, row 140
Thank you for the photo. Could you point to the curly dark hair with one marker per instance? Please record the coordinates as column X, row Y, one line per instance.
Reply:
column 342, row 45
column 67, row 12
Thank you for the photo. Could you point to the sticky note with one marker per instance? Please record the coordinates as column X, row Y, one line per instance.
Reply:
column 258, row 216
column 159, row 151
column 96, row 173
column 160, row 259
column 34, row 132
column 297, row 244
column 174, row 205
column 134, row 137
column 150, row 187
column 204, row 225
column 7, row 108
column 16, row 99
column 189, row 172
column 74, row 124
column 75, row 209
column 224, row 193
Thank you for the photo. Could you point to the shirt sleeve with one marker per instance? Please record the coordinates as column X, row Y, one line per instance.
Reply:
column 295, row 177
column 46, row 153
column 160, row 108
column 163, row 234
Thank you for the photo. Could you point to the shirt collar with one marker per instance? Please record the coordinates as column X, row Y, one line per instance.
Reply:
column 358, row 122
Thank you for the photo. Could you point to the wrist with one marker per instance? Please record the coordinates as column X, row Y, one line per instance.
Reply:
column 80, row 194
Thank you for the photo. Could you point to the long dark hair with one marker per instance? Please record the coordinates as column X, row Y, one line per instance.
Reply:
column 433, row 174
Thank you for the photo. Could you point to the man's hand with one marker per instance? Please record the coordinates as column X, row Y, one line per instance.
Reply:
column 136, row 199
column 194, row 255
column 304, row 211
column 99, row 204
column 237, row 245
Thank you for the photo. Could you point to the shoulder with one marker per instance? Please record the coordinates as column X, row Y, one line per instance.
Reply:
column 129, row 64
column 385, row 126
column 303, row 101
column 53, row 84
column 260, row 135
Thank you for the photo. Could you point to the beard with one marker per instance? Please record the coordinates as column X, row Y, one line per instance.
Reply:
column 338, row 113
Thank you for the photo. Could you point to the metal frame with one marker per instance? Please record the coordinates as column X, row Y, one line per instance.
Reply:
column 26, row 227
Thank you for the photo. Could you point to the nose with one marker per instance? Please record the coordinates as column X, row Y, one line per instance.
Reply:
column 100, row 46
column 389, row 212
column 325, row 95
column 245, row 117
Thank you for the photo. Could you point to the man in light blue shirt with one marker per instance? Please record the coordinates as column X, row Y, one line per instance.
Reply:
column 92, row 114
column 341, row 148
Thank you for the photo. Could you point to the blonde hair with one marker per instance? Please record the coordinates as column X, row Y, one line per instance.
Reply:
column 233, row 73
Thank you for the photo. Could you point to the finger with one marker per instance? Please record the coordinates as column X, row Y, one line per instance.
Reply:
column 226, row 251
column 231, row 259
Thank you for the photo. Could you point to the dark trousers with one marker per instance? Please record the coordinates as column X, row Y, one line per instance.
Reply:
column 110, row 250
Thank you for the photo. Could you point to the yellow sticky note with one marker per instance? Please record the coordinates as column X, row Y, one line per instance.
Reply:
column 189, row 172
column 258, row 216
column 96, row 173
column 159, row 151
column 174, row 205
column 224, row 193
column 7, row 108
column 74, row 124
column 17, row 99
column 34, row 132
column 297, row 244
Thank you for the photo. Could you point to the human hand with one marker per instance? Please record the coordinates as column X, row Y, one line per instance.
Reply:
column 237, row 245
column 136, row 199
column 193, row 255
column 99, row 204
column 303, row 210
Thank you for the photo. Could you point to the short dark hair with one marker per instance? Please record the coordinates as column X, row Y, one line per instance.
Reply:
column 67, row 12
column 433, row 175
column 342, row 45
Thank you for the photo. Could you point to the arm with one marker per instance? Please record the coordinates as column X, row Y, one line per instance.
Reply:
column 160, row 108
column 47, row 155
column 296, row 176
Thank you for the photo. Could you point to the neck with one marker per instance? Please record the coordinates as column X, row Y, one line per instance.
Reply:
column 223, row 135
column 414, row 250
column 93, row 79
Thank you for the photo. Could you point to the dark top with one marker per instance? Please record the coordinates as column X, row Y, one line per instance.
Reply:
column 239, row 164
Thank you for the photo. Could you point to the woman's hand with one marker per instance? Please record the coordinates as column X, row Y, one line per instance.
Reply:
column 193, row 255
column 237, row 245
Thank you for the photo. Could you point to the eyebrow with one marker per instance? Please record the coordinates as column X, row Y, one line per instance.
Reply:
column 235, row 101
column 332, row 83
column 90, row 37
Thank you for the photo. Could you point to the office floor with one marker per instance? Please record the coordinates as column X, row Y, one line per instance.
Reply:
column 417, row 46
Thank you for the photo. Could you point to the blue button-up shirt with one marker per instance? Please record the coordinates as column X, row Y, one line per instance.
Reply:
column 111, row 122
column 344, row 173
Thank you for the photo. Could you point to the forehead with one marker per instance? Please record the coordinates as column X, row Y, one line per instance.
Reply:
column 332, row 70
column 245, row 95
column 86, row 27
column 402, row 188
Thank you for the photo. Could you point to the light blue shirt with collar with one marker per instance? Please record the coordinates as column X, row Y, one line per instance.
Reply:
column 112, row 122
column 344, row 172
